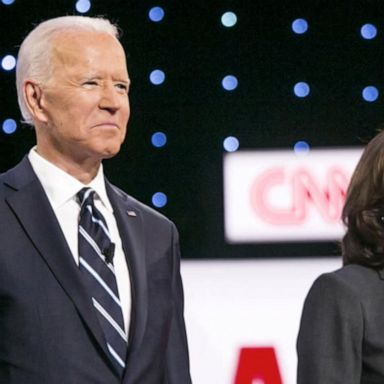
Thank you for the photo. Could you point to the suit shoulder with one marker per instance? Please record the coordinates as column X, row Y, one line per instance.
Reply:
column 3, row 177
column 355, row 280
column 333, row 296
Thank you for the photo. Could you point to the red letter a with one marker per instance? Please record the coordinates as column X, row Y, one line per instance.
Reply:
column 257, row 365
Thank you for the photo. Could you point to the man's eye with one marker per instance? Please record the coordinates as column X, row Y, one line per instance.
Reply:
column 122, row 86
column 90, row 83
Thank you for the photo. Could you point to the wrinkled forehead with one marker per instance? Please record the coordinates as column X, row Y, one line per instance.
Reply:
column 77, row 48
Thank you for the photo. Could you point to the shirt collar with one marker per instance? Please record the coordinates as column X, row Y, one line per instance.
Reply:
column 60, row 186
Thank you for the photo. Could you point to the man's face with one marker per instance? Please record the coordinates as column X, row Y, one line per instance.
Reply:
column 85, row 102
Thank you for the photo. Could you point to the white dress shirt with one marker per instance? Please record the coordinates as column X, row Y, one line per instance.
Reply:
column 61, row 189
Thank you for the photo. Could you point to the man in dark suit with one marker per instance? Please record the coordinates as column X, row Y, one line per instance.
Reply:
column 55, row 327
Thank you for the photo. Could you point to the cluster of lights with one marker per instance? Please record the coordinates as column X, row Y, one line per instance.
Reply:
column 367, row 31
column 229, row 82
column 8, row 63
column 157, row 77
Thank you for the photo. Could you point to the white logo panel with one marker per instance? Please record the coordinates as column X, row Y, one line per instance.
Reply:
column 282, row 196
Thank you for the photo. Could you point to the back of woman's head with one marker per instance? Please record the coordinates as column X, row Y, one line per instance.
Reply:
column 363, row 212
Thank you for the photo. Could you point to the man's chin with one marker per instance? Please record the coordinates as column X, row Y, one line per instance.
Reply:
column 110, row 152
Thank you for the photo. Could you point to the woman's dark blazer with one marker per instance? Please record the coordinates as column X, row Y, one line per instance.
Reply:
column 341, row 337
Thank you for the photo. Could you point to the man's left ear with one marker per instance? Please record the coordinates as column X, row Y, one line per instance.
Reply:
column 33, row 96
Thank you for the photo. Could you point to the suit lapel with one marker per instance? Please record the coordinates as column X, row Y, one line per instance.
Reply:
column 130, row 223
column 30, row 204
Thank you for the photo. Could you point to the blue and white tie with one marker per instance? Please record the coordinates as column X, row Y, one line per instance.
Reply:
column 95, row 261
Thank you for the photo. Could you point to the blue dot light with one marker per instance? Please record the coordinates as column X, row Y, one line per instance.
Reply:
column 83, row 6
column 8, row 63
column 159, row 139
column 9, row 126
column 368, row 31
column 370, row 93
column 157, row 77
column 156, row 14
column 159, row 199
column 7, row 2
column 229, row 19
column 229, row 83
column 300, row 26
column 301, row 89
column 301, row 148
column 231, row 144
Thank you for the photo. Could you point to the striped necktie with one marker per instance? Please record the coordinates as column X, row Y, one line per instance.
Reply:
column 95, row 262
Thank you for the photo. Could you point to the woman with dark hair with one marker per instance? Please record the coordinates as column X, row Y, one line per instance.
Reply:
column 341, row 337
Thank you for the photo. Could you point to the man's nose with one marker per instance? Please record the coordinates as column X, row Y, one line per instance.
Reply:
column 110, row 98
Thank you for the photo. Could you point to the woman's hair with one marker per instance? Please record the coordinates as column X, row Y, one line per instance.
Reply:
column 363, row 212
column 34, row 57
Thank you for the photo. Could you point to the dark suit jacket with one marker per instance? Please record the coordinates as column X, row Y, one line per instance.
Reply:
column 49, row 332
column 341, row 337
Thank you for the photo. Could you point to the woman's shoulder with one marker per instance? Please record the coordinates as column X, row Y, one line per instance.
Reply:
column 353, row 278
column 353, row 272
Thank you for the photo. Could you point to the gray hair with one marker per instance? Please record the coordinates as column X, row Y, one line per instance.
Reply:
column 35, row 52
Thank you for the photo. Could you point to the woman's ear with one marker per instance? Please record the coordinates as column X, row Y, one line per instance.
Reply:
column 33, row 96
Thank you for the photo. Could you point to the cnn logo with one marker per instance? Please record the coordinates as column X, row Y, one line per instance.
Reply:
column 279, row 196
column 304, row 190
